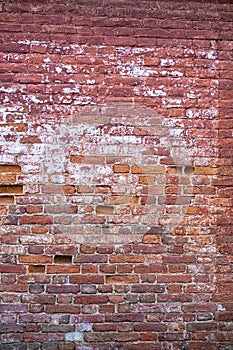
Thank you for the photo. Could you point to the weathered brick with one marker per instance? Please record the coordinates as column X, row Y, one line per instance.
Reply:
column 203, row 326
column 122, row 279
column 116, row 187
column 89, row 279
column 7, row 178
column 144, row 327
column 151, row 239
column 6, row 200
column 36, row 269
column 35, row 259
column 121, row 168
column 12, row 268
column 8, row 168
column 37, row 219
column 104, row 210
column 34, row 209
column 30, row 139
column 126, row 258
column 63, row 269
column 136, row 169
column 11, row 189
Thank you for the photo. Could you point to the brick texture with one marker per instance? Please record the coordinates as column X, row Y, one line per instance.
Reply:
column 116, row 175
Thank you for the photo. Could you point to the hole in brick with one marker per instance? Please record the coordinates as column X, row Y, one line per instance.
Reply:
column 188, row 170
column 63, row 259
column 36, row 269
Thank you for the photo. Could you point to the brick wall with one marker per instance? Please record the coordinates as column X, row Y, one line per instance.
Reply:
column 116, row 175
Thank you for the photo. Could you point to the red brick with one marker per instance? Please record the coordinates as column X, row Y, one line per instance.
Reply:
column 126, row 258
column 7, row 178
column 147, row 169
column 38, row 219
column 11, row 189
column 184, row 278
column 63, row 309
column 122, row 269
column 89, row 279
column 69, row 189
column 202, row 326
column 40, row 229
column 32, row 209
column 148, row 249
column 91, row 299
column 144, row 327
column 39, row 299
column 64, row 289
column 6, row 200
column 36, row 269
column 12, row 269
column 150, row 268
column 8, row 168
column 30, row 139
column 35, row 259
column 122, row 279
column 35, row 249
column 106, row 327
column 63, row 269
column 225, row 289
column 121, row 168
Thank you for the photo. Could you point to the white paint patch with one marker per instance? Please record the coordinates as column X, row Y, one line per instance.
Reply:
column 34, row 99
column 9, row 90
column 32, row 42
column 132, row 69
column 58, row 69
column 176, row 74
column 26, row 42
column 6, row 99
column 83, row 100
column 68, row 67
column 71, row 91
column 74, row 336
column 167, row 62
column 221, row 308
column 169, row 103
column 47, row 60
column 155, row 93
column 191, row 95
column 211, row 55
column 7, row 159
column 79, row 49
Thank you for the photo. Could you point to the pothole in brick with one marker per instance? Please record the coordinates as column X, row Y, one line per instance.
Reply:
column 116, row 173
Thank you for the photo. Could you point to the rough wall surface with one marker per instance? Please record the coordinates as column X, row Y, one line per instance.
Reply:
column 116, row 175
